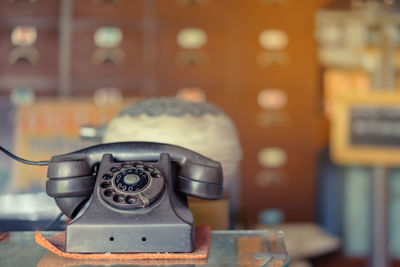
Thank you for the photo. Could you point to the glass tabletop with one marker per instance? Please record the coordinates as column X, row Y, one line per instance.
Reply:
column 227, row 248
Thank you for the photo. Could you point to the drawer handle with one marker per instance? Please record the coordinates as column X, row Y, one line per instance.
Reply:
column 191, row 58
column 23, row 54
column 268, row 59
column 103, row 56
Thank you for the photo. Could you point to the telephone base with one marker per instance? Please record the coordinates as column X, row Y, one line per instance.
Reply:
column 130, row 238
column 165, row 224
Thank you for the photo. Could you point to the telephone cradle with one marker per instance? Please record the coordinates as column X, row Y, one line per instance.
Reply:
column 131, row 196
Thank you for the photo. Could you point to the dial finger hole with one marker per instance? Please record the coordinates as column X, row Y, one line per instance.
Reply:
column 155, row 174
column 139, row 165
column 131, row 200
column 118, row 198
column 149, row 168
column 107, row 176
column 105, row 185
column 114, row 169
column 109, row 193
column 126, row 165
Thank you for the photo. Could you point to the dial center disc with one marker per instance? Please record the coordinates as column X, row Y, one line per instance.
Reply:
column 131, row 179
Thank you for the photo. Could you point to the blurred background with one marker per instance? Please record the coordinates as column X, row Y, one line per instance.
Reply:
column 306, row 82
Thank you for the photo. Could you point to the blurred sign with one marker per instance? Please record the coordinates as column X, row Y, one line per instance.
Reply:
column 366, row 129
column 375, row 126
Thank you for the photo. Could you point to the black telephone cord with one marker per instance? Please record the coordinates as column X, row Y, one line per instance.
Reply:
column 30, row 162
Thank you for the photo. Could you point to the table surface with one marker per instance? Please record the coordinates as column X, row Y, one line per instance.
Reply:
column 227, row 248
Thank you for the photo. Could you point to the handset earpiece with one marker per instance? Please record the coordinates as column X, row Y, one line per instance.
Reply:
column 71, row 183
column 201, row 180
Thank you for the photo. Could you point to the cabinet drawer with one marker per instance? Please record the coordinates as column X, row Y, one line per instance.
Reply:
column 123, row 60
column 268, row 110
column 40, row 59
column 204, row 61
column 279, row 188
column 287, row 64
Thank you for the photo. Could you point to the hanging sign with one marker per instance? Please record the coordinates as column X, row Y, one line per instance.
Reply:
column 366, row 129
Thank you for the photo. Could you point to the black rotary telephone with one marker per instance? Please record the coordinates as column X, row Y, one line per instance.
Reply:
column 130, row 196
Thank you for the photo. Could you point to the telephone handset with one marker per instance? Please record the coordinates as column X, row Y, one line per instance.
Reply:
column 131, row 196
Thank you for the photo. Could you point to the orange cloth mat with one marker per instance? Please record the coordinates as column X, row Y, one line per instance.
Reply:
column 3, row 236
column 51, row 259
column 56, row 244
